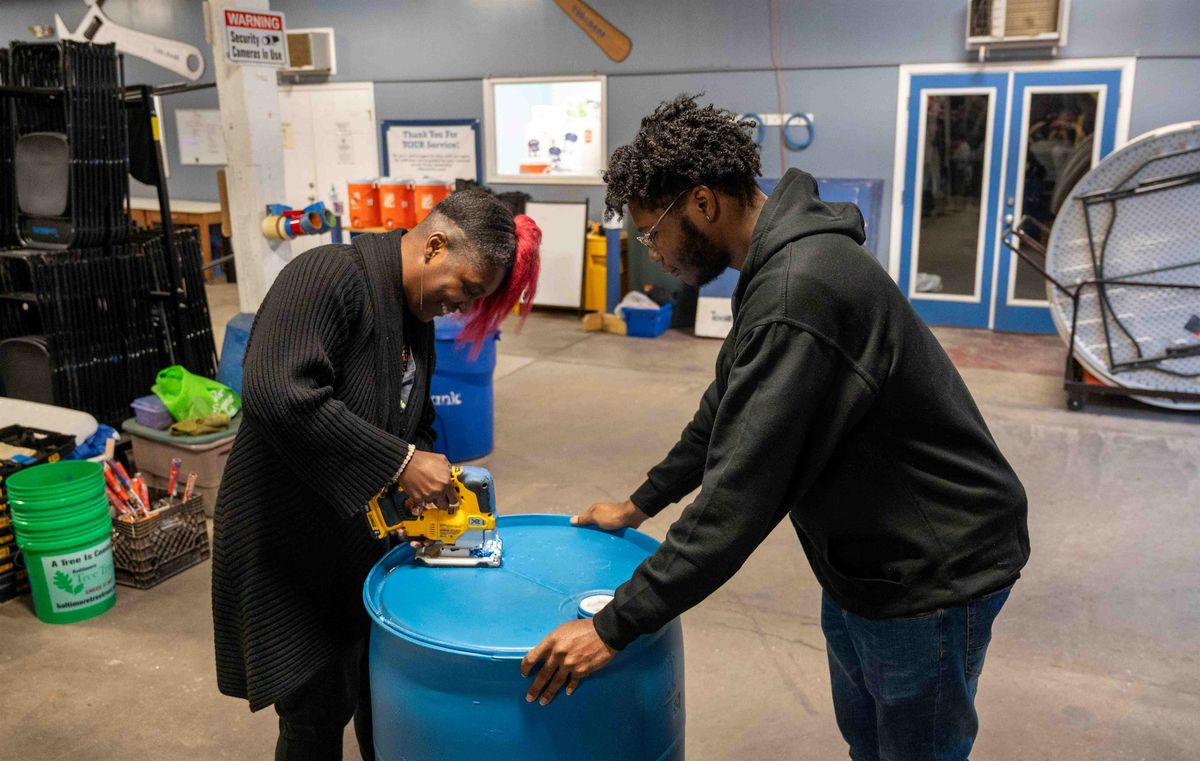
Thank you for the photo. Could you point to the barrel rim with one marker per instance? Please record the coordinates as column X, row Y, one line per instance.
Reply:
column 373, row 586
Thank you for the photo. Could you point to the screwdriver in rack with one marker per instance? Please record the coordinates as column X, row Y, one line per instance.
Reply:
column 142, row 490
column 191, row 484
column 115, row 500
column 114, row 484
column 173, row 481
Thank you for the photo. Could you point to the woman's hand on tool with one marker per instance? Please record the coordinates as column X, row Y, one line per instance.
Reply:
column 611, row 516
column 426, row 478
column 571, row 652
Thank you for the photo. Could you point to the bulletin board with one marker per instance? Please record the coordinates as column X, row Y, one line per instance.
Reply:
column 445, row 149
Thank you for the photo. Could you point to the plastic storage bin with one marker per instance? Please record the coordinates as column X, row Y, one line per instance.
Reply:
column 647, row 323
column 152, row 413
column 153, row 451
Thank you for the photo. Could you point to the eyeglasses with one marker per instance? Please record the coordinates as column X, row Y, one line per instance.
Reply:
column 647, row 239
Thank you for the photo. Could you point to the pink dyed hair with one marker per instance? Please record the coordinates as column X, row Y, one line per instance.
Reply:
column 517, row 288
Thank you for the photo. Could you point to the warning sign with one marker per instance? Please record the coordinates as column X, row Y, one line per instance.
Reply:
column 252, row 37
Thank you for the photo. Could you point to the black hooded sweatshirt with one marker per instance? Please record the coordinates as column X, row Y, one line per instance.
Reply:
column 834, row 405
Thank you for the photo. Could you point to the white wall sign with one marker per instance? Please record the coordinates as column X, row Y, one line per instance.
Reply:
column 255, row 38
column 201, row 140
column 439, row 150
column 345, row 143
column 564, row 236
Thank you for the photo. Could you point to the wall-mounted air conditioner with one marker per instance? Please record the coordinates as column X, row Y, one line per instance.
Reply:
column 1016, row 23
column 311, row 52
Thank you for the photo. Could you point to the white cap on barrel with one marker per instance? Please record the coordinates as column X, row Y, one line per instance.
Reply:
column 592, row 604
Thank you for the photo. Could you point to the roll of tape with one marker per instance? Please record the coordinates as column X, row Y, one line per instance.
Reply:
column 295, row 228
column 310, row 222
column 270, row 227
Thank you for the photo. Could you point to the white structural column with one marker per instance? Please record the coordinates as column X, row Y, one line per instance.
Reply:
column 254, row 155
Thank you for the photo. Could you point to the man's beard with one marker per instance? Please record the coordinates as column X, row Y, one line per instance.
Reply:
column 700, row 256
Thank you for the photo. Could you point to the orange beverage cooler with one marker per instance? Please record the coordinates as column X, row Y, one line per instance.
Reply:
column 364, row 204
column 396, row 203
column 427, row 194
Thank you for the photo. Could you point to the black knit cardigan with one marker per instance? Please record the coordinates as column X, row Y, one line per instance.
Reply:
column 322, row 433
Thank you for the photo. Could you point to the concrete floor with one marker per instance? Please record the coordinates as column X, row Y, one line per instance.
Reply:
column 1094, row 657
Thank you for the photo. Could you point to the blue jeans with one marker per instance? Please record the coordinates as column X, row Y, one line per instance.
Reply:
column 904, row 688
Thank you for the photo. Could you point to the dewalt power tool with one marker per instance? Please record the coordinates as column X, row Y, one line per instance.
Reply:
column 472, row 514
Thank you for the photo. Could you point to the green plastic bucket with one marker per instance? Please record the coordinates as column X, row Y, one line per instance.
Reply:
column 66, row 497
column 55, row 506
column 41, row 524
column 56, row 481
column 66, row 544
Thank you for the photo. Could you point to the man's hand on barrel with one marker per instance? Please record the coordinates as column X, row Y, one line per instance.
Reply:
column 571, row 652
column 611, row 516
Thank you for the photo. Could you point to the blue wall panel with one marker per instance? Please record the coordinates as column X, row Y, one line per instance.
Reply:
column 840, row 59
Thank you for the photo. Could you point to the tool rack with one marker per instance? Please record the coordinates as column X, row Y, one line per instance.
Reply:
column 1017, row 239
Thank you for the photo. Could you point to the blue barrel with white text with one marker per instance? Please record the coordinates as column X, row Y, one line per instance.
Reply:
column 462, row 393
column 447, row 643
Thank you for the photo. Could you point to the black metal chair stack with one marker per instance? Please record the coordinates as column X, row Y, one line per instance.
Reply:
column 89, row 309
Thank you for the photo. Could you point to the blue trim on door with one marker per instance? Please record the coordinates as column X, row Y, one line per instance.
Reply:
column 1026, row 319
column 974, row 315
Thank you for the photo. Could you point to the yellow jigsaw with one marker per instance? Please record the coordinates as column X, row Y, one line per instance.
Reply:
column 473, row 510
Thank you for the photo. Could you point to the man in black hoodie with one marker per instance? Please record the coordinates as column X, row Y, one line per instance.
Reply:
column 833, row 406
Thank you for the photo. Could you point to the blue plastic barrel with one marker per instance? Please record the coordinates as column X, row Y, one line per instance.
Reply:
column 462, row 394
column 446, row 647
column 233, row 350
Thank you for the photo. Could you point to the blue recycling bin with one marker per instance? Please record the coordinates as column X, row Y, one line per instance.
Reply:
column 233, row 350
column 462, row 394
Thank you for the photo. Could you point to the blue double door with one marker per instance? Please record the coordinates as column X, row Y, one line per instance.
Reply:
column 985, row 149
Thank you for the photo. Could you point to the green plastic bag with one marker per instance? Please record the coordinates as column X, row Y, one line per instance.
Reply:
column 189, row 396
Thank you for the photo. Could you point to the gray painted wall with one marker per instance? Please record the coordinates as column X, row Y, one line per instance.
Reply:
column 840, row 56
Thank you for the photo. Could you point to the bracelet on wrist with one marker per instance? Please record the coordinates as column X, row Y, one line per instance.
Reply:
column 412, row 449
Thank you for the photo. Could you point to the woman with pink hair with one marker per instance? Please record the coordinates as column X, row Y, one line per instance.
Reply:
column 336, row 407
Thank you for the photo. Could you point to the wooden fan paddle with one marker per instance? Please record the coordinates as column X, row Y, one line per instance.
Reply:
column 611, row 40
